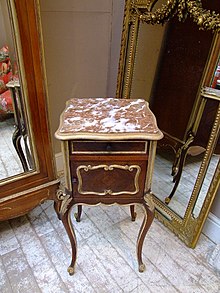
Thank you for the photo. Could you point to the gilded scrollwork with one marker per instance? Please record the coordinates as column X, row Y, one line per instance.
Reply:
column 65, row 201
column 157, row 16
column 206, row 19
column 149, row 201
column 108, row 168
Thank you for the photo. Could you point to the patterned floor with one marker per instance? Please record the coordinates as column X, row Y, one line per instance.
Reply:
column 35, row 254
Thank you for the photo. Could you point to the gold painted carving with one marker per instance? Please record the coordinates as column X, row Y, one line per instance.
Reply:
column 144, row 11
column 149, row 201
column 65, row 201
column 108, row 168
column 206, row 19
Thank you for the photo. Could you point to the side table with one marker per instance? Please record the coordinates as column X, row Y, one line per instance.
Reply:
column 108, row 148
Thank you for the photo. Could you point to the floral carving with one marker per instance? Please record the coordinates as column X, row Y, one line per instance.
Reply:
column 206, row 19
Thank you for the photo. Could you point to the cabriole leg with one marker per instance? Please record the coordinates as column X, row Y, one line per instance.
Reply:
column 65, row 205
column 147, row 221
column 72, row 237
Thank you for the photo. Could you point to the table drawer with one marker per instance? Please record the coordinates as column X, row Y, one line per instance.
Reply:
column 100, row 147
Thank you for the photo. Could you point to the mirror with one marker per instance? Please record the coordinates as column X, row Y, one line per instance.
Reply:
column 177, row 74
column 16, row 149
column 32, row 186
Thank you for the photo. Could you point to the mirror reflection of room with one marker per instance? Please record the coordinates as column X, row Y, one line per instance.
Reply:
column 15, row 154
column 168, row 69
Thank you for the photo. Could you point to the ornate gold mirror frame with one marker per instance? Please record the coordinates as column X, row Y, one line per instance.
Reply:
column 188, row 227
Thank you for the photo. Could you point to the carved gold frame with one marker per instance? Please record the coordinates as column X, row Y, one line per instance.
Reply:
column 187, row 228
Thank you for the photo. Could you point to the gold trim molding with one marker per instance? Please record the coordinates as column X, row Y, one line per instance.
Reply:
column 108, row 168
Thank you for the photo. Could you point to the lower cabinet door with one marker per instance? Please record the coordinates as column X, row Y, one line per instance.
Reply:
column 106, row 178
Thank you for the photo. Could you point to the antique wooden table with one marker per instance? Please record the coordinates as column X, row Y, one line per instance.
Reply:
column 109, row 148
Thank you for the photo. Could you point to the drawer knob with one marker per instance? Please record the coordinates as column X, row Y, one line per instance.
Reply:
column 108, row 147
column 75, row 180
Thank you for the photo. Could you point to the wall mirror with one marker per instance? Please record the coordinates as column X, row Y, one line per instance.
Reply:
column 177, row 72
column 27, row 173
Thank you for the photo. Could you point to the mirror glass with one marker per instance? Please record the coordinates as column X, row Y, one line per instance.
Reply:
column 179, row 161
column 163, row 185
column 15, row 145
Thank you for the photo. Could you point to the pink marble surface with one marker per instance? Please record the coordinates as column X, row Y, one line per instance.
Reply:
column 102, row 116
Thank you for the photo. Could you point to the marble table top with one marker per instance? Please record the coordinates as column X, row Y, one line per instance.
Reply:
column 107, row 119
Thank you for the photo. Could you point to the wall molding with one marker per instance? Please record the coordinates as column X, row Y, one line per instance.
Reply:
column 211, row 227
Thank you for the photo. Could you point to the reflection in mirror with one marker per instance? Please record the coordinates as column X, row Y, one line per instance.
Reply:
column 15, row 148
column 172, row 70
column 163, row 185
column 150, row 39
column 176, row 87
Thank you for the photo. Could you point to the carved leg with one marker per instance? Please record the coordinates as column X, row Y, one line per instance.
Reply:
column 79, row 213
column 56, row 206
column 65, row 204
column 133, row 213
column 72, row 237
column 147, row 221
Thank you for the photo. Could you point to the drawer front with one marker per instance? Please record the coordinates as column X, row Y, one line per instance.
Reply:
column 108, row 179
column 107, row 147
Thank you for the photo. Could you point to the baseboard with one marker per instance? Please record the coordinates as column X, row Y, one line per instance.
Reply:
column 212, row 228
column 212, row 225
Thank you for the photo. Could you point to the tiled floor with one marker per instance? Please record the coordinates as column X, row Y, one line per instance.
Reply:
column 35, row 254
column 7, row 151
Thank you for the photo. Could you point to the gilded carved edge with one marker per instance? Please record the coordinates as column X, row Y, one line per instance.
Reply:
column 148, row 198
column 189, row 232
column 108, row 168
column 127, row 52
column 205, row 163
column 65, row 201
